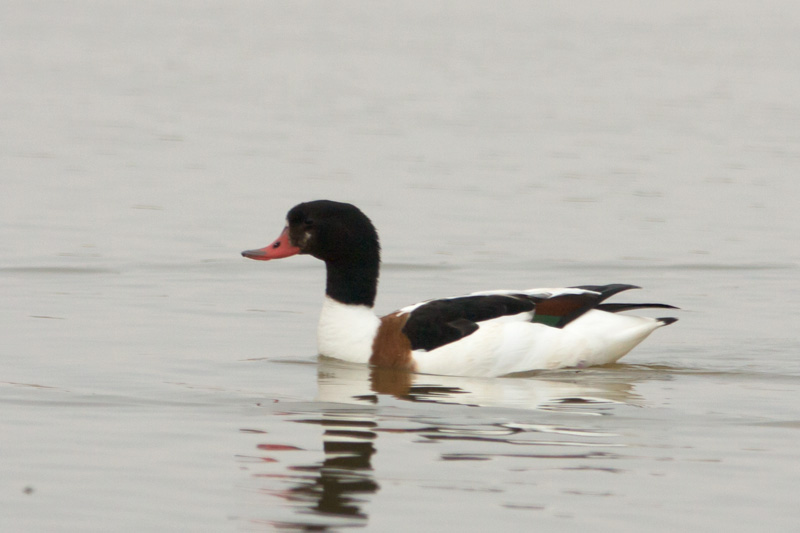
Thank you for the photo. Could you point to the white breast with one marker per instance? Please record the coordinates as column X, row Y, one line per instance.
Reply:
column 346, row 331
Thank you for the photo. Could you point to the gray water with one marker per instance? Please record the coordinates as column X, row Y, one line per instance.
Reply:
column 151, row 379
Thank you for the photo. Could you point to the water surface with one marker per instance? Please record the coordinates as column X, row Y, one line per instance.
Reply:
column 152, row 379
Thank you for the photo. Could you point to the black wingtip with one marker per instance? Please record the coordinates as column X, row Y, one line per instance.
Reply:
column 667, row 320
column 616, row 308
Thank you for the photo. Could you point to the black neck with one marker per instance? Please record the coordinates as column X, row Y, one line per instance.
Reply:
column 351, row 283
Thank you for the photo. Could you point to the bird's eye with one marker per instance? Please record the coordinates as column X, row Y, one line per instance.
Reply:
column 308, row 222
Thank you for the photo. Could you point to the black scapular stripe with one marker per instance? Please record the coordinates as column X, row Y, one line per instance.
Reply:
column 441, row 322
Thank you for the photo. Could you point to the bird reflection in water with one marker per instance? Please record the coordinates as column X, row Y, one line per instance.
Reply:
column 345, row 473
column 349, row 408
column 330, row 493
column 348, row 383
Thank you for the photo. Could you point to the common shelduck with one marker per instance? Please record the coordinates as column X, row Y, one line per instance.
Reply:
column 489, row 333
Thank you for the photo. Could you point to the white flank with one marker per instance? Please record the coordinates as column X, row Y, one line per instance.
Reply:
column 346, row 331
column 503, row 346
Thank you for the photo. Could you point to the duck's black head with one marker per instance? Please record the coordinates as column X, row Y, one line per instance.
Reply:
column 339, row 234
column 333, row 232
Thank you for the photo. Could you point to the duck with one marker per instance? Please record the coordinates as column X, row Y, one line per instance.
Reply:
column 482, row 334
